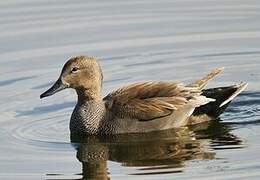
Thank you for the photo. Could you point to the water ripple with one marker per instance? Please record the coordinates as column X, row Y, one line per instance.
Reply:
column 46, row 109
column 244, row 110
column 15, row 80
column 49, row 133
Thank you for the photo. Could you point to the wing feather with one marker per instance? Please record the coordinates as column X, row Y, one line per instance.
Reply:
column 149, row 100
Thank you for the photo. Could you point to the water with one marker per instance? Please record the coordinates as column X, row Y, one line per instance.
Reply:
column 135, row 40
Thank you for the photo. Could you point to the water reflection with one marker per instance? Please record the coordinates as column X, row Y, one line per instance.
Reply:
column 154, row 153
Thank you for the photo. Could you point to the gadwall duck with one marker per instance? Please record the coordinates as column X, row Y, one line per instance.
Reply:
column 139, row 107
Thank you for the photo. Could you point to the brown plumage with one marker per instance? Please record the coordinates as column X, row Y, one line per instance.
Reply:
column 138, row 107
column 149, row 100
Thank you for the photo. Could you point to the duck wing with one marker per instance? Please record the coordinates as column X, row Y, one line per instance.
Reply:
column 151, row 100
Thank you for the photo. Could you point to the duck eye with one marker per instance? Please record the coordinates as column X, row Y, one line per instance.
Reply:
column 74, row 69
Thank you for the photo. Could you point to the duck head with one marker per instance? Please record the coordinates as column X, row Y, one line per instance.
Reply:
column 81, row 73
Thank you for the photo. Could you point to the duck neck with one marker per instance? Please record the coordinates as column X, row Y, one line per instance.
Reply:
column 88, row 95
column 88, row 114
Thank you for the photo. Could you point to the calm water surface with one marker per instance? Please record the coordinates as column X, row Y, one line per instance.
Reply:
column 135, row 40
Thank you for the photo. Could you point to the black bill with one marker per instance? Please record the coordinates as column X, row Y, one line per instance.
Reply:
column 58, row 86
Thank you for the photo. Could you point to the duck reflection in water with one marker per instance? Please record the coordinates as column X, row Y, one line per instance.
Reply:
column 156, row 152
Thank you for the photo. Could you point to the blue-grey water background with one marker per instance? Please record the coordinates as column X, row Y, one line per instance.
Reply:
column 133, row 40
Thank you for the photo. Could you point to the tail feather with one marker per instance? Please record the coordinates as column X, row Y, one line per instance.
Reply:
column 198, row 101
column 239, row 88
column 223, row 96
column 201, row 83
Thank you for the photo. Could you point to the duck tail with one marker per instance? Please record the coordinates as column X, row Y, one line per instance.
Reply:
column 201, row 83
column 239, row 88
column 223, row 96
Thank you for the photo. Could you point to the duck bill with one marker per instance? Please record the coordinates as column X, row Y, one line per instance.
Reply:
column 58, row 86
